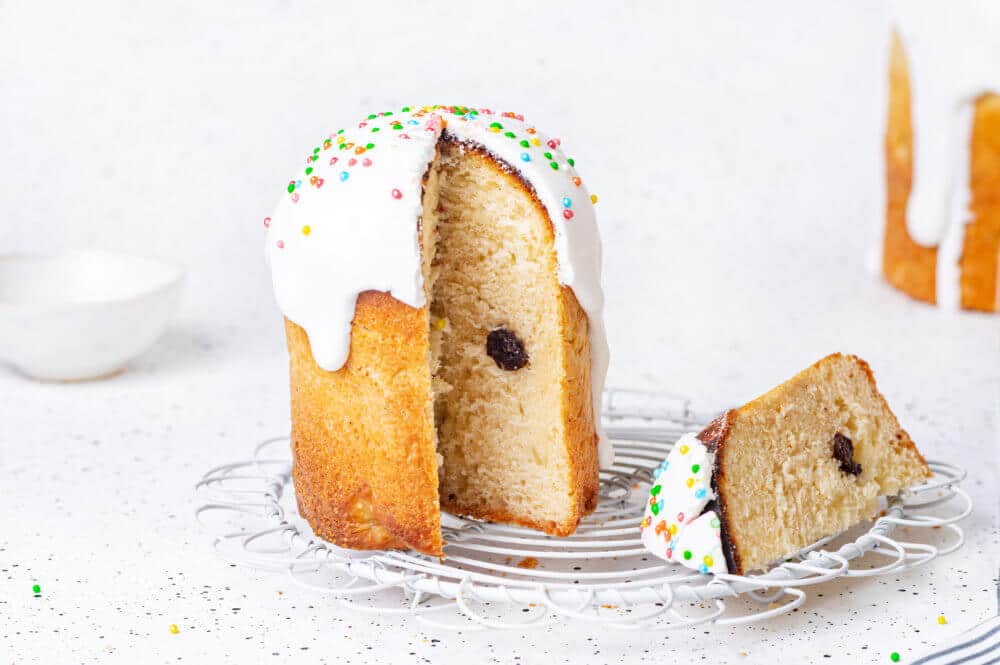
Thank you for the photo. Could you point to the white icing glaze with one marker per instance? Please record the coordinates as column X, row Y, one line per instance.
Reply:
column 676, row 526
column 953, row 54
column 345, row 227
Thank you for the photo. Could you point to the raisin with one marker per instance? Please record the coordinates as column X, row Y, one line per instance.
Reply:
column 843, row 452
column 506, row 349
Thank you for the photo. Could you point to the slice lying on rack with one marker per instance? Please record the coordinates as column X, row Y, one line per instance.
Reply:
column 806, row 460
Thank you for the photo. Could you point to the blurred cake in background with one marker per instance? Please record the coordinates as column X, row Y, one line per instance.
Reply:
column 942, row 149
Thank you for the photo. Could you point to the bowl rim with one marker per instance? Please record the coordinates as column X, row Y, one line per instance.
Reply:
column 175, row 278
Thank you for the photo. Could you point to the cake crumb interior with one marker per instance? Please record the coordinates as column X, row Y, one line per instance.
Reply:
column 489, row 265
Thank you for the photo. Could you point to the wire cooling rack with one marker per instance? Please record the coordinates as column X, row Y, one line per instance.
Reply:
column 500, row 576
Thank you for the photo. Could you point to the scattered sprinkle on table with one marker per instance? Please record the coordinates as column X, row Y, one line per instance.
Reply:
column 174, row 629
column 942, row 620
column 894, row 657
column 36, row 589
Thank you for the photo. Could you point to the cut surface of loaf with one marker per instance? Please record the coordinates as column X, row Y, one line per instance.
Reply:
column 806, row 460
column 480, row 402
column 514, row 422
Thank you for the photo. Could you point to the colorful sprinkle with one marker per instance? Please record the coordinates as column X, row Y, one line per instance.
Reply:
column 700, row 493
column 571, row 161
column 687, row 555
column 366, row 162
column 525, row 144
column 567, row 213
column 525, row 157
column 567, row 202
column 578, row 182
column 36, row 589
column 690, row 482
column 555, row 166
column 714, row 523
column 291, row 187
column 894, row 657
column 942, row 620
column 280, row 244
column 593, row 198
column 173, row 629
column 655, row 489
column 344, row 175
column 695, row 468
column 552, row 143
column 267, row 222
column 306, row 230
column 684, row 449
column 396, row 194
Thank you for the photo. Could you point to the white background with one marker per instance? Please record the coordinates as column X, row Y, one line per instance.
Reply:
column 734, row 147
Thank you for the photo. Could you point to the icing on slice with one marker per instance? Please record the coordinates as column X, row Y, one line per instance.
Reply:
column 699, row 545
column 682, row 488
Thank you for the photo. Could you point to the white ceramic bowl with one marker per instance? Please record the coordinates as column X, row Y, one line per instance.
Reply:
column 82, row 314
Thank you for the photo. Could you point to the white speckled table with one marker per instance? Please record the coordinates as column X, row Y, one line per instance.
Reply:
column 733, row 152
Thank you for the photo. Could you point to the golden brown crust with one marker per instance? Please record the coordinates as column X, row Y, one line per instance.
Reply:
column 909, row 266
column 981, row 247
column 364, row 463
column 716, row 435
column 577, row 403
column 578, row 407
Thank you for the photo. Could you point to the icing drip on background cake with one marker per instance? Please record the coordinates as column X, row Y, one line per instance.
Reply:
column 676, row 525
column 348, row 222
column 953, row 52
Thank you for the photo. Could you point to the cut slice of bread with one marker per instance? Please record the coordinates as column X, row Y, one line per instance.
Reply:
column 806, row 460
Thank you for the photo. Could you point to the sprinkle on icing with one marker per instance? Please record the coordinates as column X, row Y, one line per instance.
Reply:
column 359, row 193
column 676, row 526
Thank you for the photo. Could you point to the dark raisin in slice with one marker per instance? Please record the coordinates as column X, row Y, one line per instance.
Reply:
column 843, row 452
column 506, row 349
